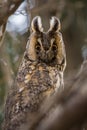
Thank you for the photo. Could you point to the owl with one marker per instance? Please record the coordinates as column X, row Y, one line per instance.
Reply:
column 39, row 76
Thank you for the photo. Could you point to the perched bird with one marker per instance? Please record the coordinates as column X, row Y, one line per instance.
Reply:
column 39, row 76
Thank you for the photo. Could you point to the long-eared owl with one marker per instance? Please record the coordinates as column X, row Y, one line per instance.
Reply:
column 40, row 74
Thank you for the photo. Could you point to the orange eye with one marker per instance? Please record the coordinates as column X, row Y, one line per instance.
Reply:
column 54, row 47
column 37, row 47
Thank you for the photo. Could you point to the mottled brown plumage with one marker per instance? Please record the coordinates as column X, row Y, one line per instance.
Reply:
column 39, row 76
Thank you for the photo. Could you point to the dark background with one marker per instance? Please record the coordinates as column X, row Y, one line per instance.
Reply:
column 73, row 17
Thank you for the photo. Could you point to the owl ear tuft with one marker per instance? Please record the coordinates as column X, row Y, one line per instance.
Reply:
column 36, row 24
column 55, row 25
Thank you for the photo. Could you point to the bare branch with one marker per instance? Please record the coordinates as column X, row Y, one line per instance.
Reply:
column 7, row 8
column 2, row 31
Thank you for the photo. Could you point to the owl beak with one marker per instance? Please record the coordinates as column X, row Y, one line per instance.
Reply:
column 46, row 49
column 46, row 46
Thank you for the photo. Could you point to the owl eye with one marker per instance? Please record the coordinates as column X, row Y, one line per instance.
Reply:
column 37, row 47
column 54, row 47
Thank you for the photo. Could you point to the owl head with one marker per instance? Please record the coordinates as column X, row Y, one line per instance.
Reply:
column 46, row 47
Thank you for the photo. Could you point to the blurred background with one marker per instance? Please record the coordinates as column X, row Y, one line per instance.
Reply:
column 73, row 17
